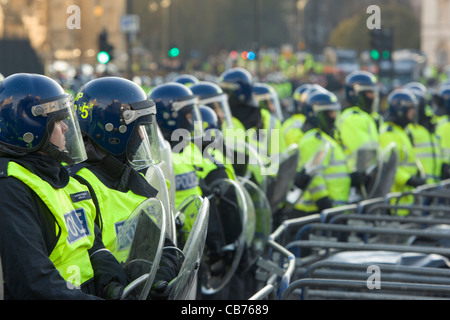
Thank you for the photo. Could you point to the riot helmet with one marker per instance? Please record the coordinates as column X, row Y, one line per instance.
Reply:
column 442, row 99
column 267, row 98
column 212, row 95
column 321, row 110
column 186, row 79
column 37, row 115
column 297, row 96
column 177, row 108
column 425, row 113
column 117, row 117
column 237, row 83
column 402, row 107
column 362, row 90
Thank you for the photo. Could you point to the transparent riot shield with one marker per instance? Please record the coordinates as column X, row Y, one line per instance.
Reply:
column 156, row 179
column 263, row 219
column 185, row 282
column 365, row 162
column 247, row 157
column 280, row 185
column 139, row 246
column 187, row 209
column 237, row 220
column 166, row 165
column 381, row 176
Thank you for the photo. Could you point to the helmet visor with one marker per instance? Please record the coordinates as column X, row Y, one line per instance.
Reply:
column 271, row 103
column 370, row 95
column 143, row 149
column 222, row 108
column 63, row 128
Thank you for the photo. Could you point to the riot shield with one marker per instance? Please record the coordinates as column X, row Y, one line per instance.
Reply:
column 139, row 245
column 365, row 162
column 280, row 185
column 219, row 267
column 381, row 176
column 188, row 208
column 263, row 216
column 249, row 159
column 156, row 179
column 166, row 165
column 193, row 252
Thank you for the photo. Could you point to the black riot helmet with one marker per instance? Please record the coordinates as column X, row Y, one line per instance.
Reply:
column 37, row 115
column 117, row 116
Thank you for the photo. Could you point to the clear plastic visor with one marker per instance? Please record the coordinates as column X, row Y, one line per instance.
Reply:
column 222, row 108
column 143, row 149
column 372, row 92
column 271, row 103
column 63, row 128
column 326, row 107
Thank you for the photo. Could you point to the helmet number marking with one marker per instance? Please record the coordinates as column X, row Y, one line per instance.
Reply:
column 84, row 111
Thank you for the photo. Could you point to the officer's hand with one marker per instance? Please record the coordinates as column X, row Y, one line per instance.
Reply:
column 445, row 171
column 302, row 179
column 160, row 290
column 415, row 182
column 358, row 179
column 113, row 291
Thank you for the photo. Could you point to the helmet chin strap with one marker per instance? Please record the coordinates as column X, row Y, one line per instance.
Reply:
column 53, row 151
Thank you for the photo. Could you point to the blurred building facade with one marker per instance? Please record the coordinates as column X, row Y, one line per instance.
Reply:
column 435, row 31
column 45, row 24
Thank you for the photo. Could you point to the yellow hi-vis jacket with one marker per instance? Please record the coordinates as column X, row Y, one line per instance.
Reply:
column 74, row 213
column 332, row 181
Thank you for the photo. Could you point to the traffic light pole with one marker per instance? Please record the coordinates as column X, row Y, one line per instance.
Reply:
column 129, row 43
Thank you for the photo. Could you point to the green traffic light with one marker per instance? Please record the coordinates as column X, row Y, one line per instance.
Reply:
column 103, row 57
column 374, row 54
column 174, row 52
column 386, row 54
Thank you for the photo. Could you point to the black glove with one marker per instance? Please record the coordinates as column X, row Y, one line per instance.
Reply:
column 358, row 179
column 113, row 291
column 415, row 182
column 302, row 179
column 324, row 203
column 445, row 171
column 160, row 290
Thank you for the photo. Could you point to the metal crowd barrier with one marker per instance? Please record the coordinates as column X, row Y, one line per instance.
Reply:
column 365, row 229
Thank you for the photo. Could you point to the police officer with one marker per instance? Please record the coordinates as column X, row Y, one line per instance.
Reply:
column 402, row 108
column 261, row 130
column 292, row 127
column 216, row 120
column 423, row 136
column 329, row 185
column 356, row 126
column 238, row 84
column 443, row 127
column 49, row 243
column 120, row 133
